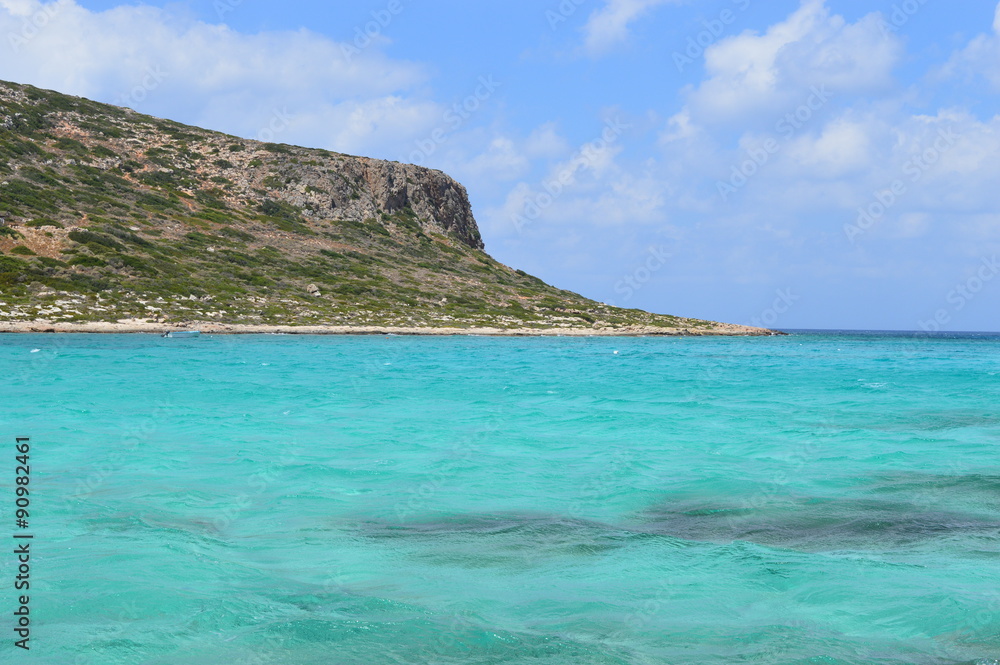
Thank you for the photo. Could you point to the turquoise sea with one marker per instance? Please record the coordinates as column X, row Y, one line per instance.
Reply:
column 819, row 498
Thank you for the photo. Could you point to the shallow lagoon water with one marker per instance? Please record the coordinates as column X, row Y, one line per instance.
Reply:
column 818, row 498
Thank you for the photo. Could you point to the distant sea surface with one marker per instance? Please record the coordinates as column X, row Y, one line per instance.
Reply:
column 821, row 498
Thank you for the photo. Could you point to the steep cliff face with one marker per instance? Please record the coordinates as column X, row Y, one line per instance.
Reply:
column 364, row 188
column 324, row 186
column 107, row 214
column 393, row 187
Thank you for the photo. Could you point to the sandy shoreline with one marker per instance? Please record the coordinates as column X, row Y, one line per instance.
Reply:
column 140, row 327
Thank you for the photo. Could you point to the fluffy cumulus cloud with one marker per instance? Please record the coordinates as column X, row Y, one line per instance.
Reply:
column 753, row 74
column 289, row 86
column 582, row 188
column 801, row 155
column 813, row 103
column 608, row 27
column 834, row 129
column 507, row 158
column 841, row 147
column 827, row 170
column 792, row 87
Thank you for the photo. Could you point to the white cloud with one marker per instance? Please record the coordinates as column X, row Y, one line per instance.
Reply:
column 632, row 199
column 211, row 75
column 980, row 58
column 679, row 128
column 546, row 142
column 508, row 158
column 833, row 163
column 753, row 74
column 502, row 160
column 912, row 225
column 20, row 8
column 362, row 127
column 942, row 168
column 609, row 26
column 586, row 188
column 842, row 146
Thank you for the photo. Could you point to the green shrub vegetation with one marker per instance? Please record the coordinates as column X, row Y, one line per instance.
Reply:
column 86, row 260
column 44, row 221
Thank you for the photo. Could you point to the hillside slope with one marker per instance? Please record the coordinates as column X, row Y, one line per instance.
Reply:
column 110, row 215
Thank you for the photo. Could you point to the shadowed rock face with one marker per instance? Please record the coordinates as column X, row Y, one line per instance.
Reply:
column 431, row 194
column 341, row 187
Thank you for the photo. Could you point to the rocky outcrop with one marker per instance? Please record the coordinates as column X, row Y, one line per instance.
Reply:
column 341, row 187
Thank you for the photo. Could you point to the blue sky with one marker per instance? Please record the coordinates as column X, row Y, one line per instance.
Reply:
column 792, row 163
